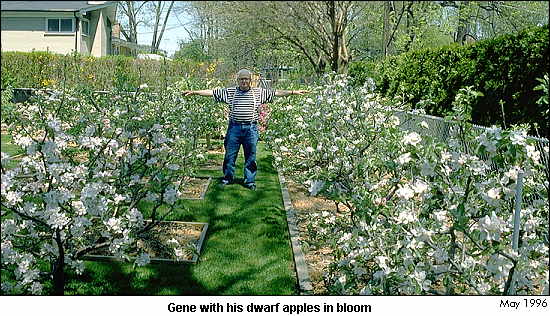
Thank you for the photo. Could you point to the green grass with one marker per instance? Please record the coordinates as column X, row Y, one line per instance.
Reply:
column 246, row 250
column 8, row 146
column 11, row 149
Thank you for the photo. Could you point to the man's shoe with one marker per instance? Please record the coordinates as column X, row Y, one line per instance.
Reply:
column 251, row 186
column 224, row 182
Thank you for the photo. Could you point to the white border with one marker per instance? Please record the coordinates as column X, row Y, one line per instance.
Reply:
column 379, row 305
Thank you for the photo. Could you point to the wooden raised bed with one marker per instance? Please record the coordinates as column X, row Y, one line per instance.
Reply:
column 159, row 243
column 196, row 188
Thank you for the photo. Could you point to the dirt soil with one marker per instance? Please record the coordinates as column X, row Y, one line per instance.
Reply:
column 216, row 150
column 211, row 165
column 193, row 188
column 317, row 258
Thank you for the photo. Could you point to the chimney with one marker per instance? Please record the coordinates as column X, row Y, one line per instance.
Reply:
column 116, row 30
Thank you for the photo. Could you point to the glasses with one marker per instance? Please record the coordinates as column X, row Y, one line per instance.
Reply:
column 243, row 79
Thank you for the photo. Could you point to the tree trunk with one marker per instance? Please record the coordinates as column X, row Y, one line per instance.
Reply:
column 335, row 64
column 463, row 27
column 320, row 65
column 387, row 28
column 340, row 56
column 208, row 141
column 410, row 32
column 129, row 10
column 59, row 267
column 157, row 37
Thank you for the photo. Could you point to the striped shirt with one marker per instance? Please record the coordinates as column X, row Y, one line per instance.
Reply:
column 242, row 106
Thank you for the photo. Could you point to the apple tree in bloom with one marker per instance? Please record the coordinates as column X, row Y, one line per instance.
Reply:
column 98, row 171
column 209, row 117
column 427, row 215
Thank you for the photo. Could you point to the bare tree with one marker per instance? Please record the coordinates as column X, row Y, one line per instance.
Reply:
column 394, row 12
column 129, row 15
column 206, row 24
column 466, row 22
column 317, row 30
column 159, row 22
column 329, row 34
column 485, row 19
column 152, row 14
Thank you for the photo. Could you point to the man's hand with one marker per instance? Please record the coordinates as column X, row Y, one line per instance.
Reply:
column 284, row 93
column 300, row 92
column 204, row 93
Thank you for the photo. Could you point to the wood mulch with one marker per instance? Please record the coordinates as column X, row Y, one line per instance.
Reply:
column 211, row 165
column 194, row 188
column 317, row 257
column 216, row 150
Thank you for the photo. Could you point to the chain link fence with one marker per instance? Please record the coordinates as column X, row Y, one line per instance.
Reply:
column 442, row 130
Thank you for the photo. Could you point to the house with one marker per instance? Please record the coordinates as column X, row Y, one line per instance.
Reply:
column 58, row 26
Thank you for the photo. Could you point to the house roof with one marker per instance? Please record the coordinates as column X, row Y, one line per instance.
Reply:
column 69, row 6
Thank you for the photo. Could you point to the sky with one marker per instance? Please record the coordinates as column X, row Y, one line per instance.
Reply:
column 173, row 33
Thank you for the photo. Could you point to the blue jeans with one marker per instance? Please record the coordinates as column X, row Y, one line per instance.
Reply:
column 246, row 135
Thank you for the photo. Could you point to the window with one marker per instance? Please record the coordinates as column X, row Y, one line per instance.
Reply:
column 60, row 25
column 85, row 27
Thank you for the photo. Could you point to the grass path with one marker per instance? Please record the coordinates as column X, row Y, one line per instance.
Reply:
column 246, row 251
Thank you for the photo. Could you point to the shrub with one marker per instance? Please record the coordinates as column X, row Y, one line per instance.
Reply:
column 48, row 70
column 504, row 69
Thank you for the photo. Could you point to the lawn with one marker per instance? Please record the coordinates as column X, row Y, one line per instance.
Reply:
column 8, row 146
column 11, row 149
column 246, row 250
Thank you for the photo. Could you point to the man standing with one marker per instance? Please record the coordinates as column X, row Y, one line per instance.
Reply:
column 244, row 102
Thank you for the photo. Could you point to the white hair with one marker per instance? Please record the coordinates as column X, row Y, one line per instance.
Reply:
column 244, row 73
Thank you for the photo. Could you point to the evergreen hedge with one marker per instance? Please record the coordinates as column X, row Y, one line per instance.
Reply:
column 505, row 69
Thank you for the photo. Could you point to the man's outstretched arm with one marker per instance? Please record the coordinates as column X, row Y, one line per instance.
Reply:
column 284, row 93
column 204, row 93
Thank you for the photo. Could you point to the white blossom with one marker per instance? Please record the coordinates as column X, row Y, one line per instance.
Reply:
column 494, row 193
column 490, row 145
column 114, row 224
column 491, row 227
column 406, row 216
column 394, row 120
column 405, row 192
column 142, row 259
column 135, row 216
column 404, row 158
column 36, row 288
column 412, row 138
column 533, row 153
column 420, row 186
column 13, row 197
column 179, row 253
column 518, row 138
column 170, row 196
column 315, row 186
